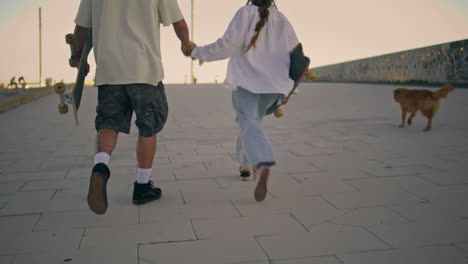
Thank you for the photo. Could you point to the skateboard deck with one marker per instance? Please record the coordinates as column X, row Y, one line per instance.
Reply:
column 74, row 98
column 298, row 68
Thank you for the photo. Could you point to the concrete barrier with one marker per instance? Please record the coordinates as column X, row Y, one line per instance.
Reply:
column 438, row 64
column 19, row 99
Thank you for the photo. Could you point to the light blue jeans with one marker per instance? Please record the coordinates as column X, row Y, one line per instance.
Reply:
column 253, row 147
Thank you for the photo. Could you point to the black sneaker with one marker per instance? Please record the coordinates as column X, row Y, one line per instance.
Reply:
column 144, row 193
column 244, row 173
column 97, row 194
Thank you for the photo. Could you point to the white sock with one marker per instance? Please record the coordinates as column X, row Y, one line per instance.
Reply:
column 143, row 175
column 101, row 157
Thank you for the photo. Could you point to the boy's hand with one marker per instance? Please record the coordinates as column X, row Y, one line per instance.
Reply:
column 188, row 47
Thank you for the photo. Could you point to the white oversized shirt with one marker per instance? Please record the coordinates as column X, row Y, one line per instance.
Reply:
column 126, row 36
column 263, row 69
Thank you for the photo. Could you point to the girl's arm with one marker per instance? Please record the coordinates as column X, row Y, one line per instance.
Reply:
column 232, row 40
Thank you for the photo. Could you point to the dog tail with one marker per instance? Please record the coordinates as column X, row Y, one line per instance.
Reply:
column 443, row 92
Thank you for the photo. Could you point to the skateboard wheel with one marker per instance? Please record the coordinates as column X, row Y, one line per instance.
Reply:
column 278, row 113
column 63, row 109
column 69, row 38
column 60, row 88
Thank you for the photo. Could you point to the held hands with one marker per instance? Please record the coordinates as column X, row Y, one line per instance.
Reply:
column 188, row 47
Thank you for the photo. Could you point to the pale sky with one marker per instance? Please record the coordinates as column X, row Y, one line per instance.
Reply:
column 331, row 31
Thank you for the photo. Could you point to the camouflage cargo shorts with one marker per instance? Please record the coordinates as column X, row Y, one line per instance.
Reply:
column 116, row 104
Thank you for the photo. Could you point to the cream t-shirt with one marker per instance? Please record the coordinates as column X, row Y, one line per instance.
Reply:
column 126, row 36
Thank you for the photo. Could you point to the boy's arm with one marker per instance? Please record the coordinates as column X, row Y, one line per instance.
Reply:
column 182, row 32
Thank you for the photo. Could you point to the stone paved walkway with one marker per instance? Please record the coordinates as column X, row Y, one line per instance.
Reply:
column 350, row 186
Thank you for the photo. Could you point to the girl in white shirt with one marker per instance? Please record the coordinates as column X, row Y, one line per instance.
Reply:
column 257, row 43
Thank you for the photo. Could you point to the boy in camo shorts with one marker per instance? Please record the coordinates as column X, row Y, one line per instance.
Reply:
column 129, row 77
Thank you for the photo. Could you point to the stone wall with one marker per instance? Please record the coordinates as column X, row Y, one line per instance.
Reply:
column 444, row 63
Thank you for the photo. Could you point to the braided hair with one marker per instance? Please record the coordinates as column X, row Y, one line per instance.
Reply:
column 263, row 6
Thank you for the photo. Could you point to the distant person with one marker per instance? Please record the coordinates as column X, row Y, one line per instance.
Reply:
column 23, row 82
column 258, row 42
column 13, row 83
column 129, row 78
column 48, row 82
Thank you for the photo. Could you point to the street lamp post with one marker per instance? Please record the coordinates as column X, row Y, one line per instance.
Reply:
column 192, row 38
column 40, row 47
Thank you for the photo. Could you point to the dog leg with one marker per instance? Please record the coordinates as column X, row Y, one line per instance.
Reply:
column 403, row 118
column 430, row 115
column 429, row 124
column 410, row 119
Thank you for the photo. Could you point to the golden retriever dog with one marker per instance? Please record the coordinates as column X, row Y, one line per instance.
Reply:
column 425, row 101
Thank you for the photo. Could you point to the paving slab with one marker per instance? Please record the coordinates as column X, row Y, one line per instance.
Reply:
column 194, row 211
column 11, row 187
column 421, row 234
column 108, row 239
column 211, row 251
column 427, row 255
column 368, row 217
column 463, row 246
column 20, row 176
column 317, row 260
column 115, row 217
column 321, row 240
column 20, row 223
column 7, row 259
column 308, row 184
column 371, row 198
column 439, row 210
column 120, row 255
column 36, row 242
column 247, row 226
column 446, row 178
column 350, row 186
